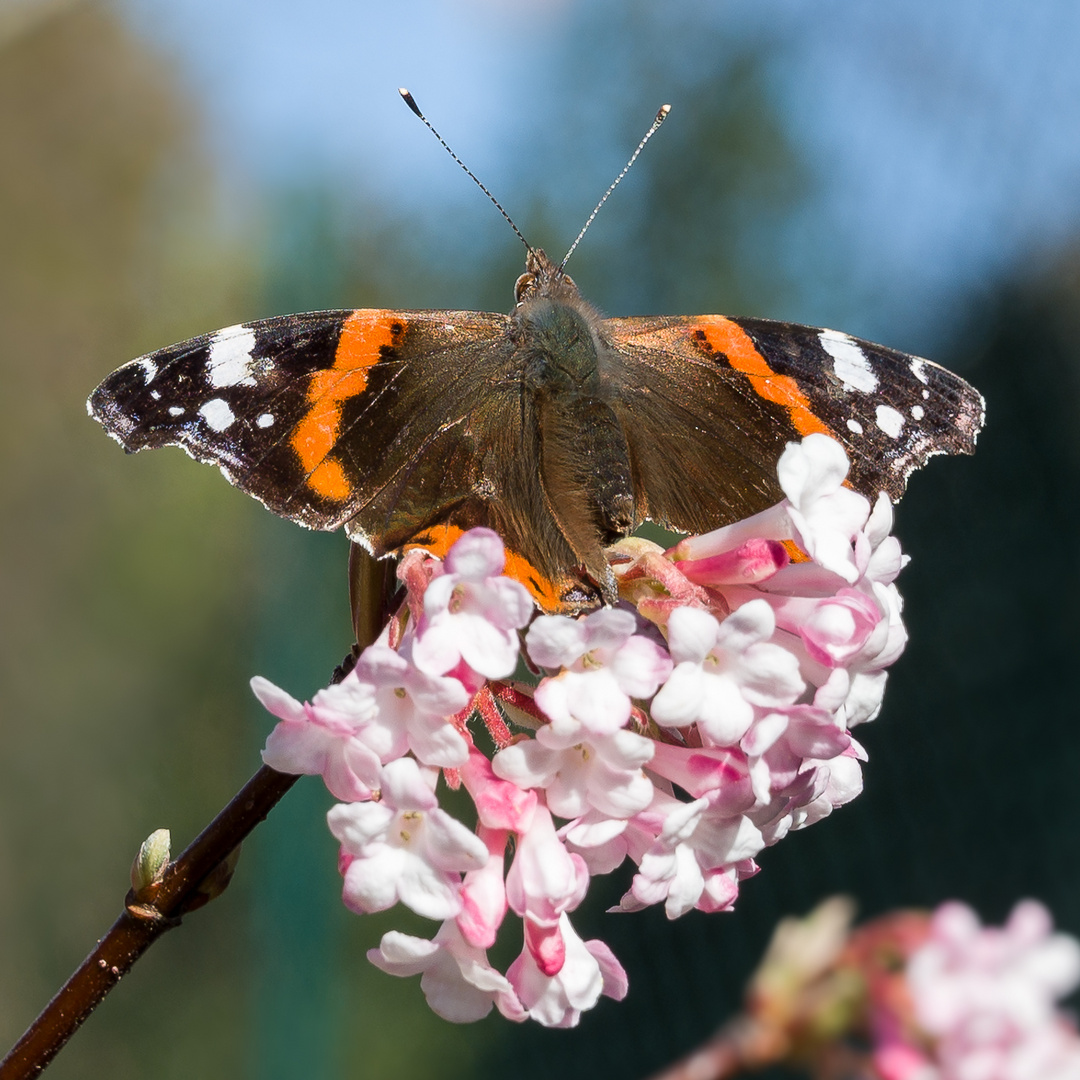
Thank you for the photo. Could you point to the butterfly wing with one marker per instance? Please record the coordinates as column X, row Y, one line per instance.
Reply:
column 405, row 426
column 708, row 404
column 408, row 427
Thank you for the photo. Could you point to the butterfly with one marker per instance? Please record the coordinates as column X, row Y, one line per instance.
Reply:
column 561, row 430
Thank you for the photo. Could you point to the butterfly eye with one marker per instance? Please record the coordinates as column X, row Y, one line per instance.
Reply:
column 523, row 286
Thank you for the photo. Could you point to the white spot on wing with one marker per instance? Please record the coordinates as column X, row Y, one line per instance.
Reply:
column 851, row 364
column 176, row 410
column 231, row 362
column 265, row 420
column 926, row 395
column 854, row 427
column 217, row 414
column 889, row 420
column 918, row 369
column 917, row 412
column 155, row 395
column 148, row 366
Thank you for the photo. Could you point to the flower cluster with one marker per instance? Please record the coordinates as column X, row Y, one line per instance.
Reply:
column 987, row 998
column 686, row 729
column 914, row 995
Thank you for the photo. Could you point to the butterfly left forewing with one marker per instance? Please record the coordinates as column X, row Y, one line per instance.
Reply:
column 234, row 399
column 406, row 427
column 319, row 415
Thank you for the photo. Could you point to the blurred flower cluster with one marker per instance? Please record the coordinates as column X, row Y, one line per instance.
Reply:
column 911, row 996
column 690, row 727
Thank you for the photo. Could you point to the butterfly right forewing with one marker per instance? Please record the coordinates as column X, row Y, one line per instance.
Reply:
column 710, row 402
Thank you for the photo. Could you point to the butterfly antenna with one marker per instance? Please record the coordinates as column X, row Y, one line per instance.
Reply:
column 411, row 102
column 661, row 116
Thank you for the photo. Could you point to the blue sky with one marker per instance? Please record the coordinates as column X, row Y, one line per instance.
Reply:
column 949, row 131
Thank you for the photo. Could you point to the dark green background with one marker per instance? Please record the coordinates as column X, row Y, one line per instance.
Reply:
column 139, row 594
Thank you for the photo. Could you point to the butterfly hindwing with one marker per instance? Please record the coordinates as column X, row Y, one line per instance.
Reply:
column 443, row 436
column 703, row 445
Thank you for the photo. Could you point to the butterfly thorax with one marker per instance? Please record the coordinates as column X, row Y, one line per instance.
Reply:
column 555, row 330
column 557, row 345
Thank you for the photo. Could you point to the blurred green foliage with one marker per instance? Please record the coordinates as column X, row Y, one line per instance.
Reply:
column 137, row 595
column 123, row 584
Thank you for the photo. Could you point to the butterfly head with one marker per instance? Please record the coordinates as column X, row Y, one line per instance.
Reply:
column 542, row 277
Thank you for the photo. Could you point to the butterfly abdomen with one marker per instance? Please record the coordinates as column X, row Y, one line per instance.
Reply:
column 584, row 457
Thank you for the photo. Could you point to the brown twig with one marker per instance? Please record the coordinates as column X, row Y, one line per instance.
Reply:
column 188, row 883
column 740, row 1047
column 199, row 874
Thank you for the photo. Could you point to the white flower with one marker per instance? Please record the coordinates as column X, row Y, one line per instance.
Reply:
column 602, row 771
column 604, row 663
column 723, row 670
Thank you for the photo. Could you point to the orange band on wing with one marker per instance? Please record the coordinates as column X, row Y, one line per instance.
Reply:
column 727, row 337
column 440, row 538
column 437, row 540
column 363, row 335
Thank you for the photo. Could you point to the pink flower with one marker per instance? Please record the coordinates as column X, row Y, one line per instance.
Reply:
column 699, row 843
column 458, row 982
column 416, row 704
column 600, row 840
column 545, row 880
column 1015, row 973
column 784, row 749
column 382, row 708
column 989, row 995
column 751, row 562
column 483, row 893
column 843, row 782
column 589, row 970
column 500, row 804
column 899, row 1061
column 721, row 773
column 834, row 628
column 404, row 847
column 885, row 558
column 825, row 515
column 337, row 737
column 822, row 516
column 471, row 612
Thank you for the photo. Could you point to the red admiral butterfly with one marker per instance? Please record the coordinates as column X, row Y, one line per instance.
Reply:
column 561, row 430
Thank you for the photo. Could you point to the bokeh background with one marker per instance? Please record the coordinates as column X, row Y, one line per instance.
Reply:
column 907, row 172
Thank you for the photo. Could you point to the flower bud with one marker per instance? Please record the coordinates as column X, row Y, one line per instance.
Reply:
column 149, row 865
